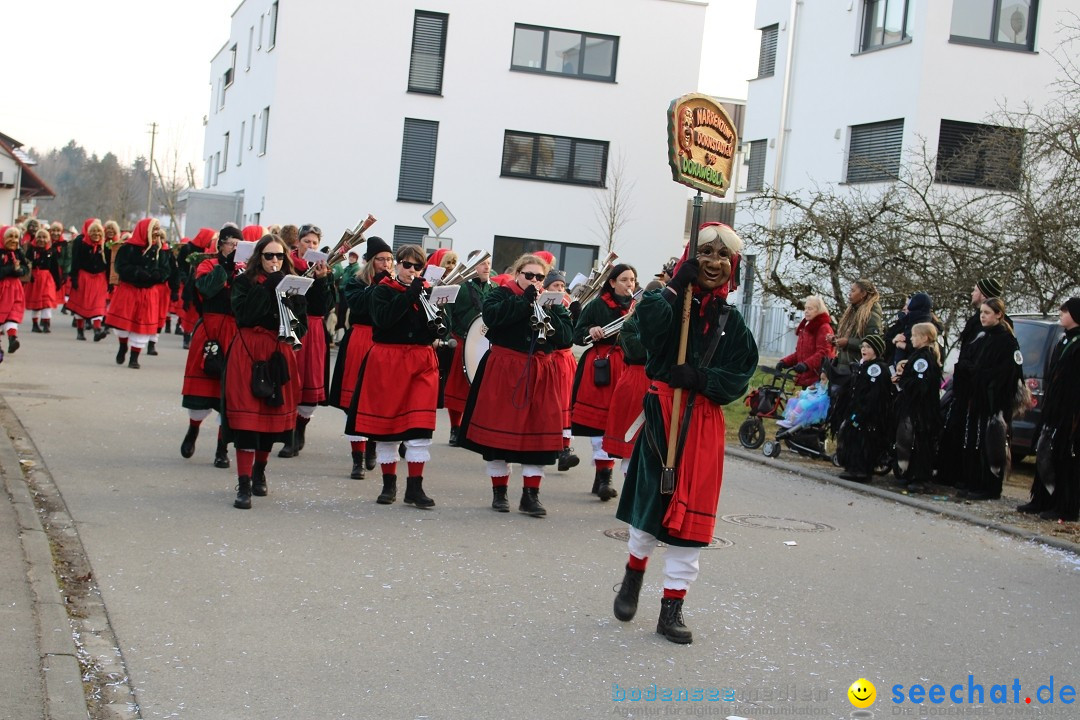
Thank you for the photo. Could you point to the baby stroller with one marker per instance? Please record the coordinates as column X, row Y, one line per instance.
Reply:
column 765, row 401
column 805, row 426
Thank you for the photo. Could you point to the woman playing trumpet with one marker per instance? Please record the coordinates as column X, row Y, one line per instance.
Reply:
column 135, row 308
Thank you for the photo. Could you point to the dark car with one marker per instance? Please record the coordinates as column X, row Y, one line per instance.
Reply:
column 1037, row 335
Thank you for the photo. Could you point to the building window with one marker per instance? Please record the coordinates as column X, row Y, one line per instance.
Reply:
column 885, row 22
column 209, row 171
column 221, row 93
column 987, row 156
column 251, row 137
column 265, row 129
column 755, row 159
column 262, row 24
column 766, row 61
column 570, row 258
column 997, row 23
column 405, row 235
column 251, row 45
column 240, row 147
column 874, row 151
column 273, row 26
column 225, row 154
column 554, row 158
column 217, row 166
column 428, row 52
column 564, row 52
column 230, row 72
column 417, row 173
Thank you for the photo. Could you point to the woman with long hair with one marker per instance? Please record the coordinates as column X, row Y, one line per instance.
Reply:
column 135, row 308
column 599, row 370
column 89, row 281
column 860, row 318
column 515, row 413
column 262, row 385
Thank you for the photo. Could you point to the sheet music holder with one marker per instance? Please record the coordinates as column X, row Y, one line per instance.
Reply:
column 432, row 273
column 444, row 294
column 244, row 250
column 578, row 279
column 549, row 297
column 294, row 285
column 313, row 256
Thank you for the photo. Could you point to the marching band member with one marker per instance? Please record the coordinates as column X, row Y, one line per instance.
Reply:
column 13, row 267
column 684, row 520
column 466, row 308
column 44, row 262
column 567, row 367
column 626, row 401
column 203, row 242
column 168, row 292
column 135, row 308
column 313, row 358
column 515, row 411
column 399, row 382
column 89, row 282
column 354, row 346
column 210, row 290
column 262, row 385
column 446, row 259
column 599, row 370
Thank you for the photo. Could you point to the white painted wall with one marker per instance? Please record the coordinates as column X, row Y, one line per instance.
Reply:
column 336, row 84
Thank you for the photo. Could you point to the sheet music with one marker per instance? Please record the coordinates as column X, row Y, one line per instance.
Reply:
column 244, row 250
column 444, row 294
column 549, row 297
column 294, row 285
column 313, row 256
column 578, row 280
column 432, row 273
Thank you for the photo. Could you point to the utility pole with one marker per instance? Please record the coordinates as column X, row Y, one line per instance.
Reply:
column 150, row 168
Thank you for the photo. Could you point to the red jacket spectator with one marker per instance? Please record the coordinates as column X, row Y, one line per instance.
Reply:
column 811, row 348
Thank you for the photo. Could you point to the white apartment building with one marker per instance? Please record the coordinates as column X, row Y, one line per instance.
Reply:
column 872, row 79
column 513, row 114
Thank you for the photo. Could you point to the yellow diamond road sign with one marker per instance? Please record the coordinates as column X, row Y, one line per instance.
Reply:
column 439, row 218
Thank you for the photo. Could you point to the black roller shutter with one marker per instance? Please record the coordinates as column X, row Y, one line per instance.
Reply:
column 874, row 151
column 428, row 52
column 417, row 160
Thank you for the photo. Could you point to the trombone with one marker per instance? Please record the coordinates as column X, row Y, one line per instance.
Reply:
column 349, row 239
column 589, row 289
column 612, row 328
column 463, row 272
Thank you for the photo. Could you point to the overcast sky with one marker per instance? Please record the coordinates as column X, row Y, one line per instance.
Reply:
column 101, row 72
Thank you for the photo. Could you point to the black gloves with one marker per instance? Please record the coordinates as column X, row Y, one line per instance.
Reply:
column 780, row 366
column 530, row 294
column 686, row 274
column 416, row 287
column 228, row 262
column 575, row 309
column 274, row 279
column 687, row 376
column 800, row 368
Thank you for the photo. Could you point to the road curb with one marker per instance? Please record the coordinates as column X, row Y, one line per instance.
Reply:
column 757, row 457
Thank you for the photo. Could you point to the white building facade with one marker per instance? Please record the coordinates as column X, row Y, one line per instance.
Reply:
column 512, row 114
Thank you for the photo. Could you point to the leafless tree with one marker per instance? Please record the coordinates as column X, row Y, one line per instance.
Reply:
column 614, row 203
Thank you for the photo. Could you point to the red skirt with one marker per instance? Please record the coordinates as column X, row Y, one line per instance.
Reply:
column 456, row 392
column 176, row 307
column 626, row 405
column 136, row 310
column 189, row 317
column 352, row 350
column 89, row 300
column 399, row 390
column 243, row 411
column 164, row 303
column 567, row 368
column 214, row 326
column 65, row 289
column 514, row 412
column 41, row 290
column 311, row 361
column 589, row 413
column 12, row 300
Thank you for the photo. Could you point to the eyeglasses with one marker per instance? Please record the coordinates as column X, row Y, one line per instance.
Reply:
column 273, row 256
column 310, row 230
column 532, row 276
column 411, row 265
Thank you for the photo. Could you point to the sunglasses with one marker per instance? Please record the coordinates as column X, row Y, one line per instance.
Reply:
column 533, row 276
column 310, row 230
column 273, row 256
column 411, row 265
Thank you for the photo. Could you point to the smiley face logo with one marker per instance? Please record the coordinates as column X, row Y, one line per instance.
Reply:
column 862, row 693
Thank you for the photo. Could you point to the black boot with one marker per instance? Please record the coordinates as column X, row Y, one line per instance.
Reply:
column 671, row 625
column 626, row 599
column 151, row 348
column 168, row 325
column 221, row 454
column 187, row 447
column 604, row 488
column 243, row 493
column 454, row 442
column 567, row 460
column 389, row 490
column 290, row 446
column 35, row 327
column 530, row 502
column 100, row 334
column 369, row 455
column 133, row 361
column 298, row 432
column 187, row 340
column 258, row 479
column 13, row 343
column 499, row 503
column 80, row 334
column 357, row 465
column 121, row 354
column 414, row 493
column 179, row 330
column 46, row 326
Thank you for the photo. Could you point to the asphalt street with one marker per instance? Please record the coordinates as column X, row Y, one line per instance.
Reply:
column 318, row 603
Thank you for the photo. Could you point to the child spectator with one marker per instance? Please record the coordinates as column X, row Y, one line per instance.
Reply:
column 864, row 431
column 918, row 411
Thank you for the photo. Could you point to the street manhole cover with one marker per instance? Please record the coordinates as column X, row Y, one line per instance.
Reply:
column 769, row 522
column 622, row 535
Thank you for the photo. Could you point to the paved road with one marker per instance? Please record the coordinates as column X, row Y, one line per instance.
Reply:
column 318, row 603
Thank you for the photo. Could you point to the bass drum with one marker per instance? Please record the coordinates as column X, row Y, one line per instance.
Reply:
column 476, row 346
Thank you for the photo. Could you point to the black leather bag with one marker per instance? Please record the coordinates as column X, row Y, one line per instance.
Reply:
column 213, row 363
column 262, row 386
column 601, row 371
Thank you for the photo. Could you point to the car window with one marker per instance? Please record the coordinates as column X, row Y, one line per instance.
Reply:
column 1032, row 337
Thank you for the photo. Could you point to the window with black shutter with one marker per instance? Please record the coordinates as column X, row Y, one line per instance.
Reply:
column 874, row 151
column 417, row 160
column 987, row 156
column 572, row 53
column 766, row 64
column 554, row 158
column 755, row 174
column 428, row 52
column 405, row 235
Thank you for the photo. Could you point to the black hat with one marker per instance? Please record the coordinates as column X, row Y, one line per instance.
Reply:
column 375, row 245
column 230, row 231
column 989, row 287
column 876, row 343
column 1073, row 306
column 553, row 276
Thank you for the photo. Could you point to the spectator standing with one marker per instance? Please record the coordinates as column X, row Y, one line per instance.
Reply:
column 812, row 346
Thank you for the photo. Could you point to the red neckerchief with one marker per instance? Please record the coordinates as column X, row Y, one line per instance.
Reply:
column 299, row 263
column 397, row 286
column 514, row 288
column 609, row 300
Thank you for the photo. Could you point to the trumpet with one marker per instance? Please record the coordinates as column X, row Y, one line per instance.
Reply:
column 436, row 320
column 463, row 272
column 589, row 289
column 287, row 323
column 540, row 322
column 612, row 328
column 349, row 239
